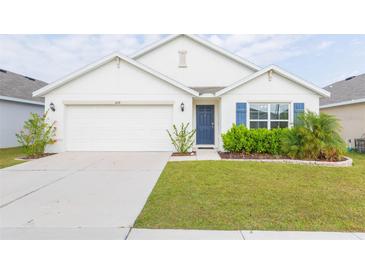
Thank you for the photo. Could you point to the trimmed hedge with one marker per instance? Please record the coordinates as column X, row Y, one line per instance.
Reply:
column 241, row 139
column 316, row 138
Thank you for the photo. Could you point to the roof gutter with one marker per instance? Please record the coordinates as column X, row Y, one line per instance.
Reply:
column 344, row 103
column 18, row 100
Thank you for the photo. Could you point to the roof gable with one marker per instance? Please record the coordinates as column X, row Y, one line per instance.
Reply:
column 279, row 71
column 201, row 41
column 105, row 60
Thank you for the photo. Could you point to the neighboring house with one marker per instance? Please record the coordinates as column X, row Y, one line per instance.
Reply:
column 347, row 103
column 127, row 104
column 16, row 104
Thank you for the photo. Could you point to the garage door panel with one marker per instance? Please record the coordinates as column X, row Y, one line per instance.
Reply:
column 118, row 128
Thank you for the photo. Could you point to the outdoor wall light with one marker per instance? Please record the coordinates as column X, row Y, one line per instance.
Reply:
column 52, row 107
column 182, row 106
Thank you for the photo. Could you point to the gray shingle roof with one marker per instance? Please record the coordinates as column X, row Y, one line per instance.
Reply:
column 19, row 86
column 204, row 90
column 345, row 90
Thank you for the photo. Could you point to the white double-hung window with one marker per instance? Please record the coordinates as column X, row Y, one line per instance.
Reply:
column 269, row 115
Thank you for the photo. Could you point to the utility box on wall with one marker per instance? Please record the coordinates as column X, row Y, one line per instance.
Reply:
column 360, row 145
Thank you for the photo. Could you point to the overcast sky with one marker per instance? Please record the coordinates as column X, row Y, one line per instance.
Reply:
column 321, row 59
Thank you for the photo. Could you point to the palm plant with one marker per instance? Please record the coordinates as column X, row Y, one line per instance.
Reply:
column 316, row 138
column 182, row 139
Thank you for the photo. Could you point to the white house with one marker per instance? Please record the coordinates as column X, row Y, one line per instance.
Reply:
column 124, row 103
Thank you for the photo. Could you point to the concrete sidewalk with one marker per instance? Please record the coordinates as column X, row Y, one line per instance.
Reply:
column 181, row 234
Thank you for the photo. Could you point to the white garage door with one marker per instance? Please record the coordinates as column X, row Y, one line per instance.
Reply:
column 118, row 128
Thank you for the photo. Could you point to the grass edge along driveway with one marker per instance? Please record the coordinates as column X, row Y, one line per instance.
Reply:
column 8, row 155
column 259, row 196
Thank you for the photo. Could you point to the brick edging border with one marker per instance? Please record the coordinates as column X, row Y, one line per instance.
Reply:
column 346, row 163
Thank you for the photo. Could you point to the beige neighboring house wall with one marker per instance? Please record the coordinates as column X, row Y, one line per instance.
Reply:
column 352, row 119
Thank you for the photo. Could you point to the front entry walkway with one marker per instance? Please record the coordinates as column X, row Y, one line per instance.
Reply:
column 201, row 155
column 77, row 195
column 207, row 154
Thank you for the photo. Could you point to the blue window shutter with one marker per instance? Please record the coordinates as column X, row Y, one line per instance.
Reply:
column 298, row 109
column 241, row 113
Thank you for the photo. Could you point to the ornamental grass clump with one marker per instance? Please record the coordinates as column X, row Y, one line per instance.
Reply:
column 182, row 138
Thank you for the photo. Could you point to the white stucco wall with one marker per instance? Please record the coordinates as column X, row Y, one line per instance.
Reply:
column 108, row 84
column 279, row 89
column 205, row 67
column 12, row 118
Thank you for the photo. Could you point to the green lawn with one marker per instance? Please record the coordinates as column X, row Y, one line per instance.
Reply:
column 257, row 196
column 7, row 156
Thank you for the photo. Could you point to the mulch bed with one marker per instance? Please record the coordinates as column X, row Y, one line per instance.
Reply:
column 240, row 155
column 259, row 156
column 36, row 156
column 193, row 153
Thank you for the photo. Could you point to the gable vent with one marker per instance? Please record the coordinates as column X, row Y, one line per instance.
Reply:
column 182, row 58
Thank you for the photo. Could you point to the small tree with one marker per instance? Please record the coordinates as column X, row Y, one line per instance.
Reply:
column 316, row 138
column 36, row 134
column 182, row 139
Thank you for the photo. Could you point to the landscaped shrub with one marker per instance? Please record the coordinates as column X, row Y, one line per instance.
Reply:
column 182, row 138
column 234, row 140
column 241, row 139
column 36, row 134
column 316, row 138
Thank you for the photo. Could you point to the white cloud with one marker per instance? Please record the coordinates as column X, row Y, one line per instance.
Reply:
column 341, row 76
column 272, row 49
column 51, row 57
column 215, row 39
column 235, row 42
column 261, row 49
column 324, row 44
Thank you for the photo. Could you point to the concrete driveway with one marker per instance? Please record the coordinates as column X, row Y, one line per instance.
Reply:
column 77, row 195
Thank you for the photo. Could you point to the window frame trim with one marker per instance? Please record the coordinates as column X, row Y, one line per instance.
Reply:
column 293, row 111
column 268, row 120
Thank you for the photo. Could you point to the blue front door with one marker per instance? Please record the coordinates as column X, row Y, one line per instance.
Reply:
column 205, row 125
